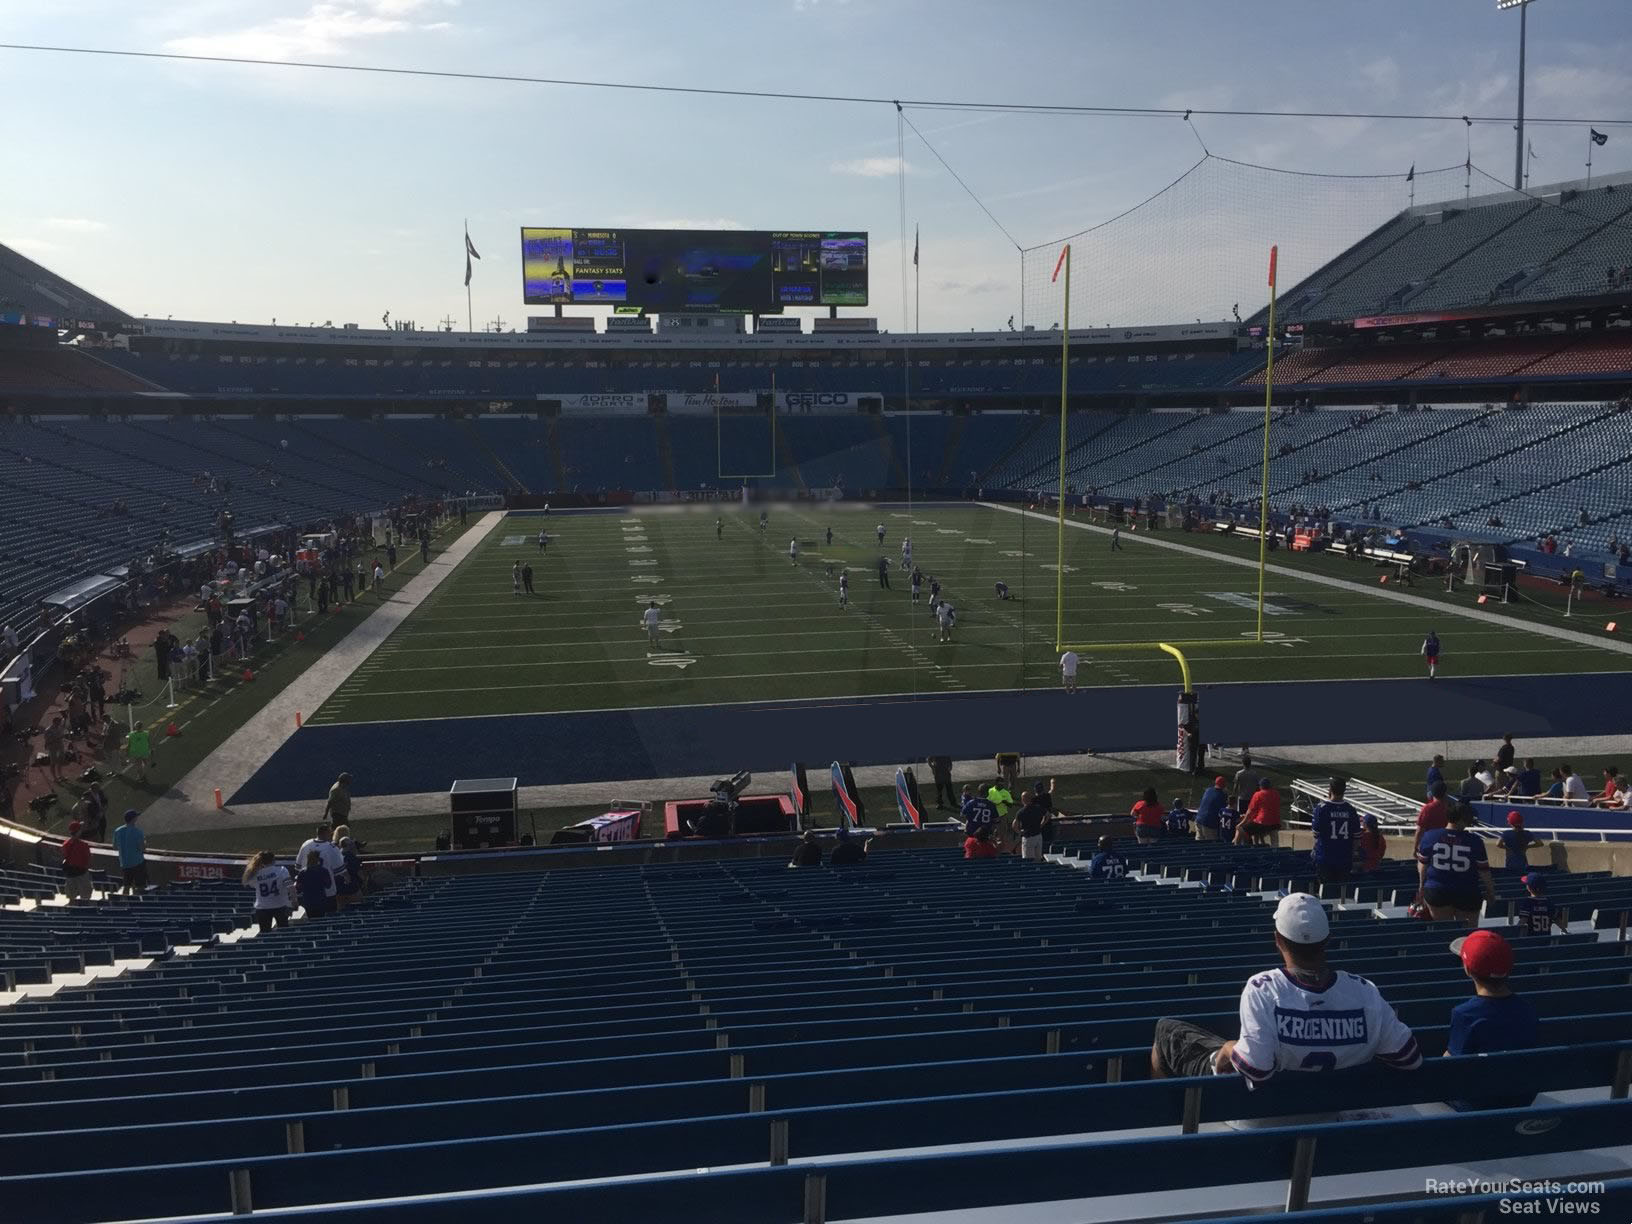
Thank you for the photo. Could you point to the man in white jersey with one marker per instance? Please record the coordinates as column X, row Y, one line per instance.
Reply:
column 844, row 590
column 906, row 554
column 880, row 530
column 793, row 550
column 1068, row 670
column 1304, row 1016
column 649, row 618
column 327, row 852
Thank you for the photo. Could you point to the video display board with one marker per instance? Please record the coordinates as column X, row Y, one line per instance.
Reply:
column 751, row 271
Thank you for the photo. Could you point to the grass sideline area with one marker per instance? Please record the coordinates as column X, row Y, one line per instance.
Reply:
column 206, row 715
column 743, row 622
column 1097, row 793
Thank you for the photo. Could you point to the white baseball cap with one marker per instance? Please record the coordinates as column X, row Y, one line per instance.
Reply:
column 1301, row 919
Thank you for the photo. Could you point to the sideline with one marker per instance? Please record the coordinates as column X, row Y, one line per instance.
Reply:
column 1478, row 614
column 190, row 803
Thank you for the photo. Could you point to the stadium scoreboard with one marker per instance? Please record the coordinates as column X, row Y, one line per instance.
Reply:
column 751, row 271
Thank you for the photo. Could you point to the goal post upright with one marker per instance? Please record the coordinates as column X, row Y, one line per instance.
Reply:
column 1064, row 262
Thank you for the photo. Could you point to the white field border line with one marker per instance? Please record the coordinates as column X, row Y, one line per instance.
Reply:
column 1115, row 691
column 247, row 749
column 1478, row 614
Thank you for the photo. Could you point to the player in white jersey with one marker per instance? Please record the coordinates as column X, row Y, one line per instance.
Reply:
column 793, row 550
column 906, row 554
column 844, row 590
column 650, row 618
column 1304, row 1016
column 880, row 530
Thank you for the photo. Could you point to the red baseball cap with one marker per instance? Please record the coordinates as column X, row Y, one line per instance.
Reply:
column 74, row 826
column 1221, row 780
column 1485, row 954
column 1515, row 819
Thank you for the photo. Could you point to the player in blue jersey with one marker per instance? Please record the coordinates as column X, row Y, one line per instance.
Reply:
column 1454, row 870
column 979, row 813
column 1107, row 864
column 1535, row 912
column 1179, row 818
column 1335, row 825
column 1228, row 818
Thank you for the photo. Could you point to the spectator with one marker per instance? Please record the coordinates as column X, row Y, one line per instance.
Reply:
column 1289, row 1015
column 1453, row 870
column 850, row 851
column 1178, row 818
column 1495, row 1019
column 807, row 853
column 981, row 845
column 328, row 853
column 1534, row 911
column 1556, row 790
column 271, row 882
column 55, row 738
column 76, row 865
column 1527, row 783
column 1334, row 824
column 1504, row 754
column 1212, row 803
column 1263, row 815
column 93, row 805
column 1107, row 864
column 350, row 885
column 1575, row 790
column 1028, row 826
column 131, row 844
column 978, row 813
column 1043, row 796
column 1474, row 785
column 1069, row 662
column 1148, row 818
column 1229, row 821
column 1001, row 797
column 1516, row 840
column 940, row 768
column 139, row 749
column 316, row 886
column 338, row 809
column 1246, row 782
column 1373, row 845
column 1436, row 773
column 1610, row 796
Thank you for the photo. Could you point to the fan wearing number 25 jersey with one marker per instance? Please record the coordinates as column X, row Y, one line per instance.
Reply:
column 1288, row 1024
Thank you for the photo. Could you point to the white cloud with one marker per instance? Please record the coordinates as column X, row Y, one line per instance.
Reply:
column 324, row 29
column 1383, row 75
column 37, row 246
column 871, row 167
column 1583, row 87
column 990, row 284
column 75, row 225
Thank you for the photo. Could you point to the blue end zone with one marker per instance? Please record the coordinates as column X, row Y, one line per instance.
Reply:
column 395, row 758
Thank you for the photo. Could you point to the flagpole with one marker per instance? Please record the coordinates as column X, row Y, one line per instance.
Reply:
column 917, row 278
column 470, row 324
column 1590, row 143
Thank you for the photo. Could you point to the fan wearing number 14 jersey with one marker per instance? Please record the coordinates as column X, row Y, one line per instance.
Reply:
column 1335, row 824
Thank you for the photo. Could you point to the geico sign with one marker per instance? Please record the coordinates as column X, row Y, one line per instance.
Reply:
column 818, row 399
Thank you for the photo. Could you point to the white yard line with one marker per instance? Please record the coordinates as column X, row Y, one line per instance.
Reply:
column 252, row 745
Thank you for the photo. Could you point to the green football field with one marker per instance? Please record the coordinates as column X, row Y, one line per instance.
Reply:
column 741, row 622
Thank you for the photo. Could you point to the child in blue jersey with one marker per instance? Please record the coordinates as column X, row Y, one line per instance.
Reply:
column 1535, row 912
column 314, row 883
column 1495, row 1019
column 1228, row 818
column 1516, row 840
column 1453, row 870
column 1107, row 864
column 1179, row 818
column 1335, row 825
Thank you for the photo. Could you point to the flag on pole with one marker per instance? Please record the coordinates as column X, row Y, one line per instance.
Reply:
column 470, row 254
column 1531, row 145
column 1411, row 174
column 1598, row 138
column 915, row 246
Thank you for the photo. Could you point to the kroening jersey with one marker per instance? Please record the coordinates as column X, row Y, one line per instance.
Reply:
column 1288, row 1026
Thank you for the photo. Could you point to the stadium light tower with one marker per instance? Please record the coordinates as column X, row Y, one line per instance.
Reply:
column 1518, row 143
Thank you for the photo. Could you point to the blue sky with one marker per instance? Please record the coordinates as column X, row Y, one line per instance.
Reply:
column 232, row 192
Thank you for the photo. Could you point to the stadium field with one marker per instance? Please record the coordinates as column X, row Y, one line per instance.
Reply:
column 742, row 622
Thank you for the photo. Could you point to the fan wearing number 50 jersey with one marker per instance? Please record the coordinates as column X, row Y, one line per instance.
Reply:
column 1304, row 1016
